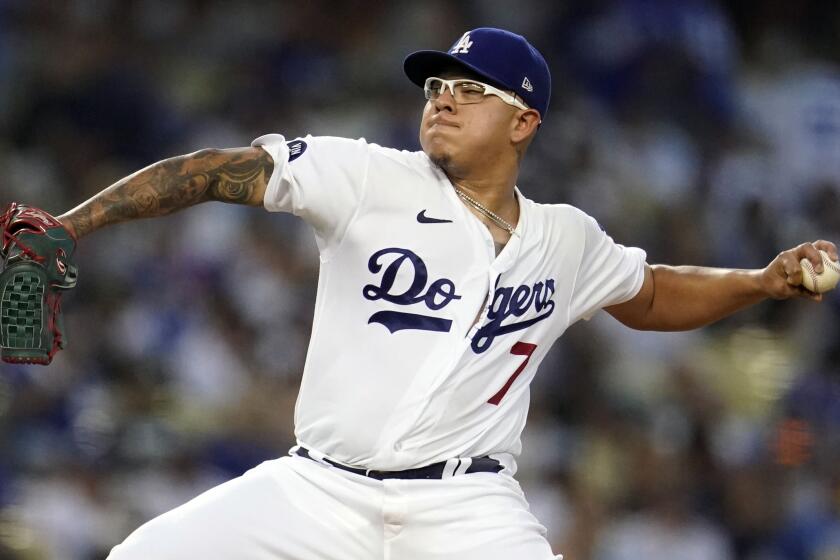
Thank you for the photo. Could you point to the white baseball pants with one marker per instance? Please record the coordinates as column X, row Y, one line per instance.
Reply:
column 298, row 509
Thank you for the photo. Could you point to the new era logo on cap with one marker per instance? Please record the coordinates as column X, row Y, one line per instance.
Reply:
column 526, row 84
column 504, row 59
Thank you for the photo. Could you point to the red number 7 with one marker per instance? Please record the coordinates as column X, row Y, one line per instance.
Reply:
column 519, row 349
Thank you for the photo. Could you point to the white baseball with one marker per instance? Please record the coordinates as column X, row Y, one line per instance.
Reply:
column 820, row 283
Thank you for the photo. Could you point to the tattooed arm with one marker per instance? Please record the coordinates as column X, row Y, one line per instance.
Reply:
column 237, row 175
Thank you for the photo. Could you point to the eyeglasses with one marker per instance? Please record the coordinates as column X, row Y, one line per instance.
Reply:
column 468, row 91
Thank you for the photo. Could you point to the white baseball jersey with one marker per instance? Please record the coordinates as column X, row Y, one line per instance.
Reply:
column 399, row 373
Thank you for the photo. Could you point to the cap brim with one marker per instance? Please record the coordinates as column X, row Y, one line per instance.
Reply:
column 422, row 64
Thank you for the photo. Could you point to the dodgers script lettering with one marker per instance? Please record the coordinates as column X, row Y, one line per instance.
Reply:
column 436, row 296
column 413, row 288
column 509, row 301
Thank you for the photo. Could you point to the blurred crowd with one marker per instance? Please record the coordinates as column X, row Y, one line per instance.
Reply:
column 705, row 132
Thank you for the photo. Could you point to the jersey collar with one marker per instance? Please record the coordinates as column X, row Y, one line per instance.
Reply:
column 509, row 255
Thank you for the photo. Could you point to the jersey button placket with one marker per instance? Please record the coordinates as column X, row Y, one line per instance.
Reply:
column 459, row 349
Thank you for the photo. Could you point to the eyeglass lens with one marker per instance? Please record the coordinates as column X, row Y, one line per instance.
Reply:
column 464, row 92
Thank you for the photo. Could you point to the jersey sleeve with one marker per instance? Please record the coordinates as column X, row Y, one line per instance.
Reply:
column 608, row 274
column 319, row 178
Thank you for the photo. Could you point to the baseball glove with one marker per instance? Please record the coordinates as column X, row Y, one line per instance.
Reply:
column 35, row 268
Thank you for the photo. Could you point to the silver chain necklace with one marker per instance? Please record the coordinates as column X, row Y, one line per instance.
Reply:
column 484, row 210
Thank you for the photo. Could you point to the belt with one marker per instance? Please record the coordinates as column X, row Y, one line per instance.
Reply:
column 444, row 469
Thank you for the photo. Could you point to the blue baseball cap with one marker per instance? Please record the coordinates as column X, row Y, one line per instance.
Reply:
column 506, row 60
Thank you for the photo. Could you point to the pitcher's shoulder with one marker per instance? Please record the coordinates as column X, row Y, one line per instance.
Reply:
column 562, row 214
column 417, row 161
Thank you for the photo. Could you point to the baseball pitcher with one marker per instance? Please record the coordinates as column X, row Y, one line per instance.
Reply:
column 441, row 289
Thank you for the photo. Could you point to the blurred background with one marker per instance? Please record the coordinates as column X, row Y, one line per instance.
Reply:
column 706, row 132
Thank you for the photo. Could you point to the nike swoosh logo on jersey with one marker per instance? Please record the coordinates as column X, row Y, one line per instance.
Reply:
column 424, row 219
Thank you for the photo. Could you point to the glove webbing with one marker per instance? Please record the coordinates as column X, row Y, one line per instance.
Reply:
column 21, row 320
column 22, row 323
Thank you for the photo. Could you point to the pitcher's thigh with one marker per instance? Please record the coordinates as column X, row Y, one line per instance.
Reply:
column 474, row 541
column 475, row 517
column 276, row 511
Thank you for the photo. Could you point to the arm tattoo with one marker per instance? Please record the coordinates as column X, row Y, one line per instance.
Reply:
column 237, row 176
column 236, row 179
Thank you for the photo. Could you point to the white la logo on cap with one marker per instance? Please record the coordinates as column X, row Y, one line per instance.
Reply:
column 463, row 45
column 526, row 84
